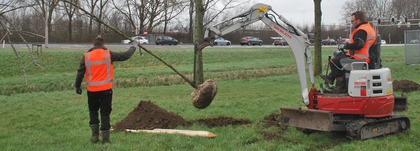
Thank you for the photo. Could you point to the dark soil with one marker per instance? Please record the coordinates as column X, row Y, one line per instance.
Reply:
column 271, row 120
column 222, row 121
column 150, row 116
column 405, row 86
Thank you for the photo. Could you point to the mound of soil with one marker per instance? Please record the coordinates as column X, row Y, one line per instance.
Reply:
column 222, row 121
column 150, row 116
column 405, row 86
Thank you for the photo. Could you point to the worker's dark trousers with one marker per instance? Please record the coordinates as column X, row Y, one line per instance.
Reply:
column 336, row 72
column 100, row 101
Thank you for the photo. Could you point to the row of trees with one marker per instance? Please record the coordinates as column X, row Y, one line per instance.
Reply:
column 62, row 22
column 385, row 10
column 65, row 23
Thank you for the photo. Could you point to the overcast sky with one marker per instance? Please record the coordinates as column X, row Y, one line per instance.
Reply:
column 301, row 12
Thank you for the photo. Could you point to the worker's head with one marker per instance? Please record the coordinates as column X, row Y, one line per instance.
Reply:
column 98, row 42
column 357, row 18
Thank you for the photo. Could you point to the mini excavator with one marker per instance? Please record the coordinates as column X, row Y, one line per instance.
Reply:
column 366, row 110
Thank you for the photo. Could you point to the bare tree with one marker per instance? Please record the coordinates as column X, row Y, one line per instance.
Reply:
column 406, row 8
column 132, row 11
column 46, row 8
column 102, row 13
column 201, row 8
column 172, row 8
column 70, row 11
column 91, row 6
column 8, row 28
column 373, row 9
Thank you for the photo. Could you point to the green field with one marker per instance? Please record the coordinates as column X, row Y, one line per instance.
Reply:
column 47, row 114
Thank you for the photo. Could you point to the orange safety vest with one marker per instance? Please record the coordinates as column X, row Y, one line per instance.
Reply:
column 99, row 70
column 363, row 53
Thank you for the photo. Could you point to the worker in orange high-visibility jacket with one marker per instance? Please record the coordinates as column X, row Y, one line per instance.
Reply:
column 96, row 66
column 363, row 37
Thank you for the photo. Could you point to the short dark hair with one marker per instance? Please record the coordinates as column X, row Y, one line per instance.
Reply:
column 359, row 15
column 98, row 42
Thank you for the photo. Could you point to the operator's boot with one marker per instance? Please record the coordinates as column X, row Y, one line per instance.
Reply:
column 340, row 85
column 95, row 133
column 105, row 136
column 328, row 80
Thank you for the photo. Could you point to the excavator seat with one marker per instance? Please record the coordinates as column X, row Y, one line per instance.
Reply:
column 375, row 54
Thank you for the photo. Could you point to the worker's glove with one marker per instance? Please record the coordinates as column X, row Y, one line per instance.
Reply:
column 78, row 91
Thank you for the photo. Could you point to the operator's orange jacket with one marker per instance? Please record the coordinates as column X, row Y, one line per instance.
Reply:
column 99, row 70
column 363, row 54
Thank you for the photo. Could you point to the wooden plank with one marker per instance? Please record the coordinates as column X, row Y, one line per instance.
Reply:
column 176, row 131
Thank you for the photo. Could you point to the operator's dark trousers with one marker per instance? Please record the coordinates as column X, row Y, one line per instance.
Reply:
column 334, row 63
column 102, row 101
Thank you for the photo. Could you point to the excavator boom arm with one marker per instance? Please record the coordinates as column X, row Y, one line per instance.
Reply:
column 296, row 39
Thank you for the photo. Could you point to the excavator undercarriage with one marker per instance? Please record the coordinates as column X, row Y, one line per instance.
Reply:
column 355, row 126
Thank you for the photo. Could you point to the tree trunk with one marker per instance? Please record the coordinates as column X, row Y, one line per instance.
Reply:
column 198, row 38
column 190, row 25
column 318, row 36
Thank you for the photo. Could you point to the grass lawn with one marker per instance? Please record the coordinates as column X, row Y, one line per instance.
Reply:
column 47, row 114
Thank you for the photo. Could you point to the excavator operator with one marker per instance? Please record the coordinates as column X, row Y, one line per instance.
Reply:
column 363, row 37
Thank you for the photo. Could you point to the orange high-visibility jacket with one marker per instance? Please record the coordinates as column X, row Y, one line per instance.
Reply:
column 99, row 70
column 363, row 53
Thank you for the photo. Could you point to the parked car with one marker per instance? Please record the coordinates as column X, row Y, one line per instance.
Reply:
column 249, row 40
column 280, row 42
column 166, row 40
column 329, row 41
column 139, row 39
column 221, row 42
column 343, row 40
column 415, row 41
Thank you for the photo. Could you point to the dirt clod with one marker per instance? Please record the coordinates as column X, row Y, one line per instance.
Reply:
column 204, row 94
column 405, row 86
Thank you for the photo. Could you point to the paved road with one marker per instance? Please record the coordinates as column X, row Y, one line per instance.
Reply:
column 113, row 46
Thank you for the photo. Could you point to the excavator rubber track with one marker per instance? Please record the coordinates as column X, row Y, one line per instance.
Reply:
column 374, row 127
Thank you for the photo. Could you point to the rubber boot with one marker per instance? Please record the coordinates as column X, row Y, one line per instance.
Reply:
column 340, row 85
column 95, row 132
column 328, row 79
column 105, row 136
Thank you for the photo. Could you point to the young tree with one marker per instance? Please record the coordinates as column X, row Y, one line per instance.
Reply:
column 318, row 35
column 198, row 39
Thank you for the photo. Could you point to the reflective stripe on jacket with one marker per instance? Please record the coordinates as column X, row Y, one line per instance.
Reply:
column 99, row 70
column 363, row 53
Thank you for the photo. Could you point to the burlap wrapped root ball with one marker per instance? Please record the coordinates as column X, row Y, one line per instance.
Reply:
column 204, row 94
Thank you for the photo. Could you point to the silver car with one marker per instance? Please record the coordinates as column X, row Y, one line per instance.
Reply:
column 221, row 42
column 139, row 39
